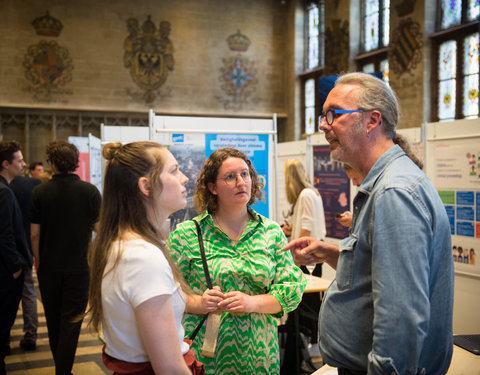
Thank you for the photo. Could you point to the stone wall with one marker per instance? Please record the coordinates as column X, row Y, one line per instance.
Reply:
column 177, row 62
column 407, row 58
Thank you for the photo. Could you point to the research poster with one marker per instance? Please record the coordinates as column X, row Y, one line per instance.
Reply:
column 333, row 184
column 457, row 178
column 95, row 161
column 192, row 149
column 83, row 170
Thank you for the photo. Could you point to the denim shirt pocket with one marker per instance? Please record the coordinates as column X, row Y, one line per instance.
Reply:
column 345, row 262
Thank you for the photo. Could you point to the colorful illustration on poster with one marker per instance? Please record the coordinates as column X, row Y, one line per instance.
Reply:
column 83, row 170
column 333, row 184
column 189, row 150
column 192, row 149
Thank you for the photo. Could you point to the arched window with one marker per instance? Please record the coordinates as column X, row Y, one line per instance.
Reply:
column 455, row 80
column 313, row 63
column 375, row 37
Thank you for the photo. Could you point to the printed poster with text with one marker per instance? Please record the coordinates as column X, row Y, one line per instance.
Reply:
column 192, row 149
column 83, row 170
column 334, row 186
column 255, row 146
column 457, row 179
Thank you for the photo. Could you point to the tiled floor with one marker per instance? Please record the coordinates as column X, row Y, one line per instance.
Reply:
column 88, row 358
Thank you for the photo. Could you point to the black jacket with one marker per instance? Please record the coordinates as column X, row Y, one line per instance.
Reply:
column 14, row 253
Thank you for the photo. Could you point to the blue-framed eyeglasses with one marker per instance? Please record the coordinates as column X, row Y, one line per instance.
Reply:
column 332, row 114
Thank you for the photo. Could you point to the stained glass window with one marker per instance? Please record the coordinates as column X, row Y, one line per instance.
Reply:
column 470, row 71
column 451, row 13
column 473, row 10
column 375, row 24
column 386, row 23
column 310, row 93
column 370, row 25
column 314, row 35
column 384, row 70
column 458, row 59
column 368, row 68
column 313, row 23
column 447, row 82
column 310, row 106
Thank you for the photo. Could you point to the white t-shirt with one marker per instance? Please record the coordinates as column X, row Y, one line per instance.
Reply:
column 142, row 273
column 308, row 214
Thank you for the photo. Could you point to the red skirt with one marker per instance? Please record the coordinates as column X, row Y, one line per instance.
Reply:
column 145, row 368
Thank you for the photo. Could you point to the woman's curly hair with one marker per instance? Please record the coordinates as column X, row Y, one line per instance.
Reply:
column 203, row 199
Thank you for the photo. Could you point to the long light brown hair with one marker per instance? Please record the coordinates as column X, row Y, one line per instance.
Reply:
column 295, row 181
column 124, row 208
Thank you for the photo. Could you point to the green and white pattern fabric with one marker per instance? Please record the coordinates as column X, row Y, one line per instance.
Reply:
column 246, row 343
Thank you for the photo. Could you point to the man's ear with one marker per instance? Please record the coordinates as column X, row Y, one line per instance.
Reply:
column 212, row 188
column 144, row 186
column 5, row 164
column 375, row 120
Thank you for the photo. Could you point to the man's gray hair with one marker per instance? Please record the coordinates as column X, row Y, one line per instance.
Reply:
column 375, row 94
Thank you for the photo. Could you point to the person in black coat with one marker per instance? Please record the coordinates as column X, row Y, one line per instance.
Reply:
column 22, row 187
column 15, row 258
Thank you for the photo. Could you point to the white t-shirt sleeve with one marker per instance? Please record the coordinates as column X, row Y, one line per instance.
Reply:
column 309, row 215
column 306, row 204
column 147, row 274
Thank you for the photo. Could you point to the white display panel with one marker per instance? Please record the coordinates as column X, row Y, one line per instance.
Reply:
column 192, row 139
column 453, row 165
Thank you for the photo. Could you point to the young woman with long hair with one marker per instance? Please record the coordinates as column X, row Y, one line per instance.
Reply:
column 136, row 292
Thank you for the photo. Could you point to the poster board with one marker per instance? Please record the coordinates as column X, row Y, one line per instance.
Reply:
column 415, row 137
column 124, row 134
column 83, row 170
column 192, row 139
column 332, row 182
column 453, row 165
column 95, row 161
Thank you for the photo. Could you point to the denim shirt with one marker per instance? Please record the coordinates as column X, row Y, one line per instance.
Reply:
column 389, row 311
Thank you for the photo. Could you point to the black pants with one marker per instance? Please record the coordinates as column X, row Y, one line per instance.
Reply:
column 64, row 298
column 311, row 305
column 10, row 294
column 307, row 316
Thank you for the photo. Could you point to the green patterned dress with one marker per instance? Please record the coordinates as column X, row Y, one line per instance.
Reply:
column 246, row 343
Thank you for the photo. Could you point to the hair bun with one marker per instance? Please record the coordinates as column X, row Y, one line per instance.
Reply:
column 110, row 150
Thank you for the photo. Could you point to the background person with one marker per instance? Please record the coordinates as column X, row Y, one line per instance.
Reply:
column 36, row 169
column 63, row 212
column 389, row 310
column 15, row 258
column 254, row 282
column 22, row 187
column 136, row 293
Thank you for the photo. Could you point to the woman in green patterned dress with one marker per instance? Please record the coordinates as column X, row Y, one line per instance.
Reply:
column 254, row 281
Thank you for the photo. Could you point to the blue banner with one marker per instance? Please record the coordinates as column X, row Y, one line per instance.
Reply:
column 255, row 146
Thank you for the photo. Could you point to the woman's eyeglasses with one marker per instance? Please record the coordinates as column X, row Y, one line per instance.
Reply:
column 231, row 178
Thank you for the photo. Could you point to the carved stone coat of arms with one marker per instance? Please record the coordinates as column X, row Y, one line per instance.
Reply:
column 148, row 55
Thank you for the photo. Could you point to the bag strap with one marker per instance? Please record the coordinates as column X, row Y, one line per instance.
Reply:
column 202, row 251
column 207, row 277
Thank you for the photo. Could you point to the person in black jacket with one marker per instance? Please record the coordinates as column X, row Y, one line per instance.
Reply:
column 15, row 258
column 22, row 187
column 63, row 212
